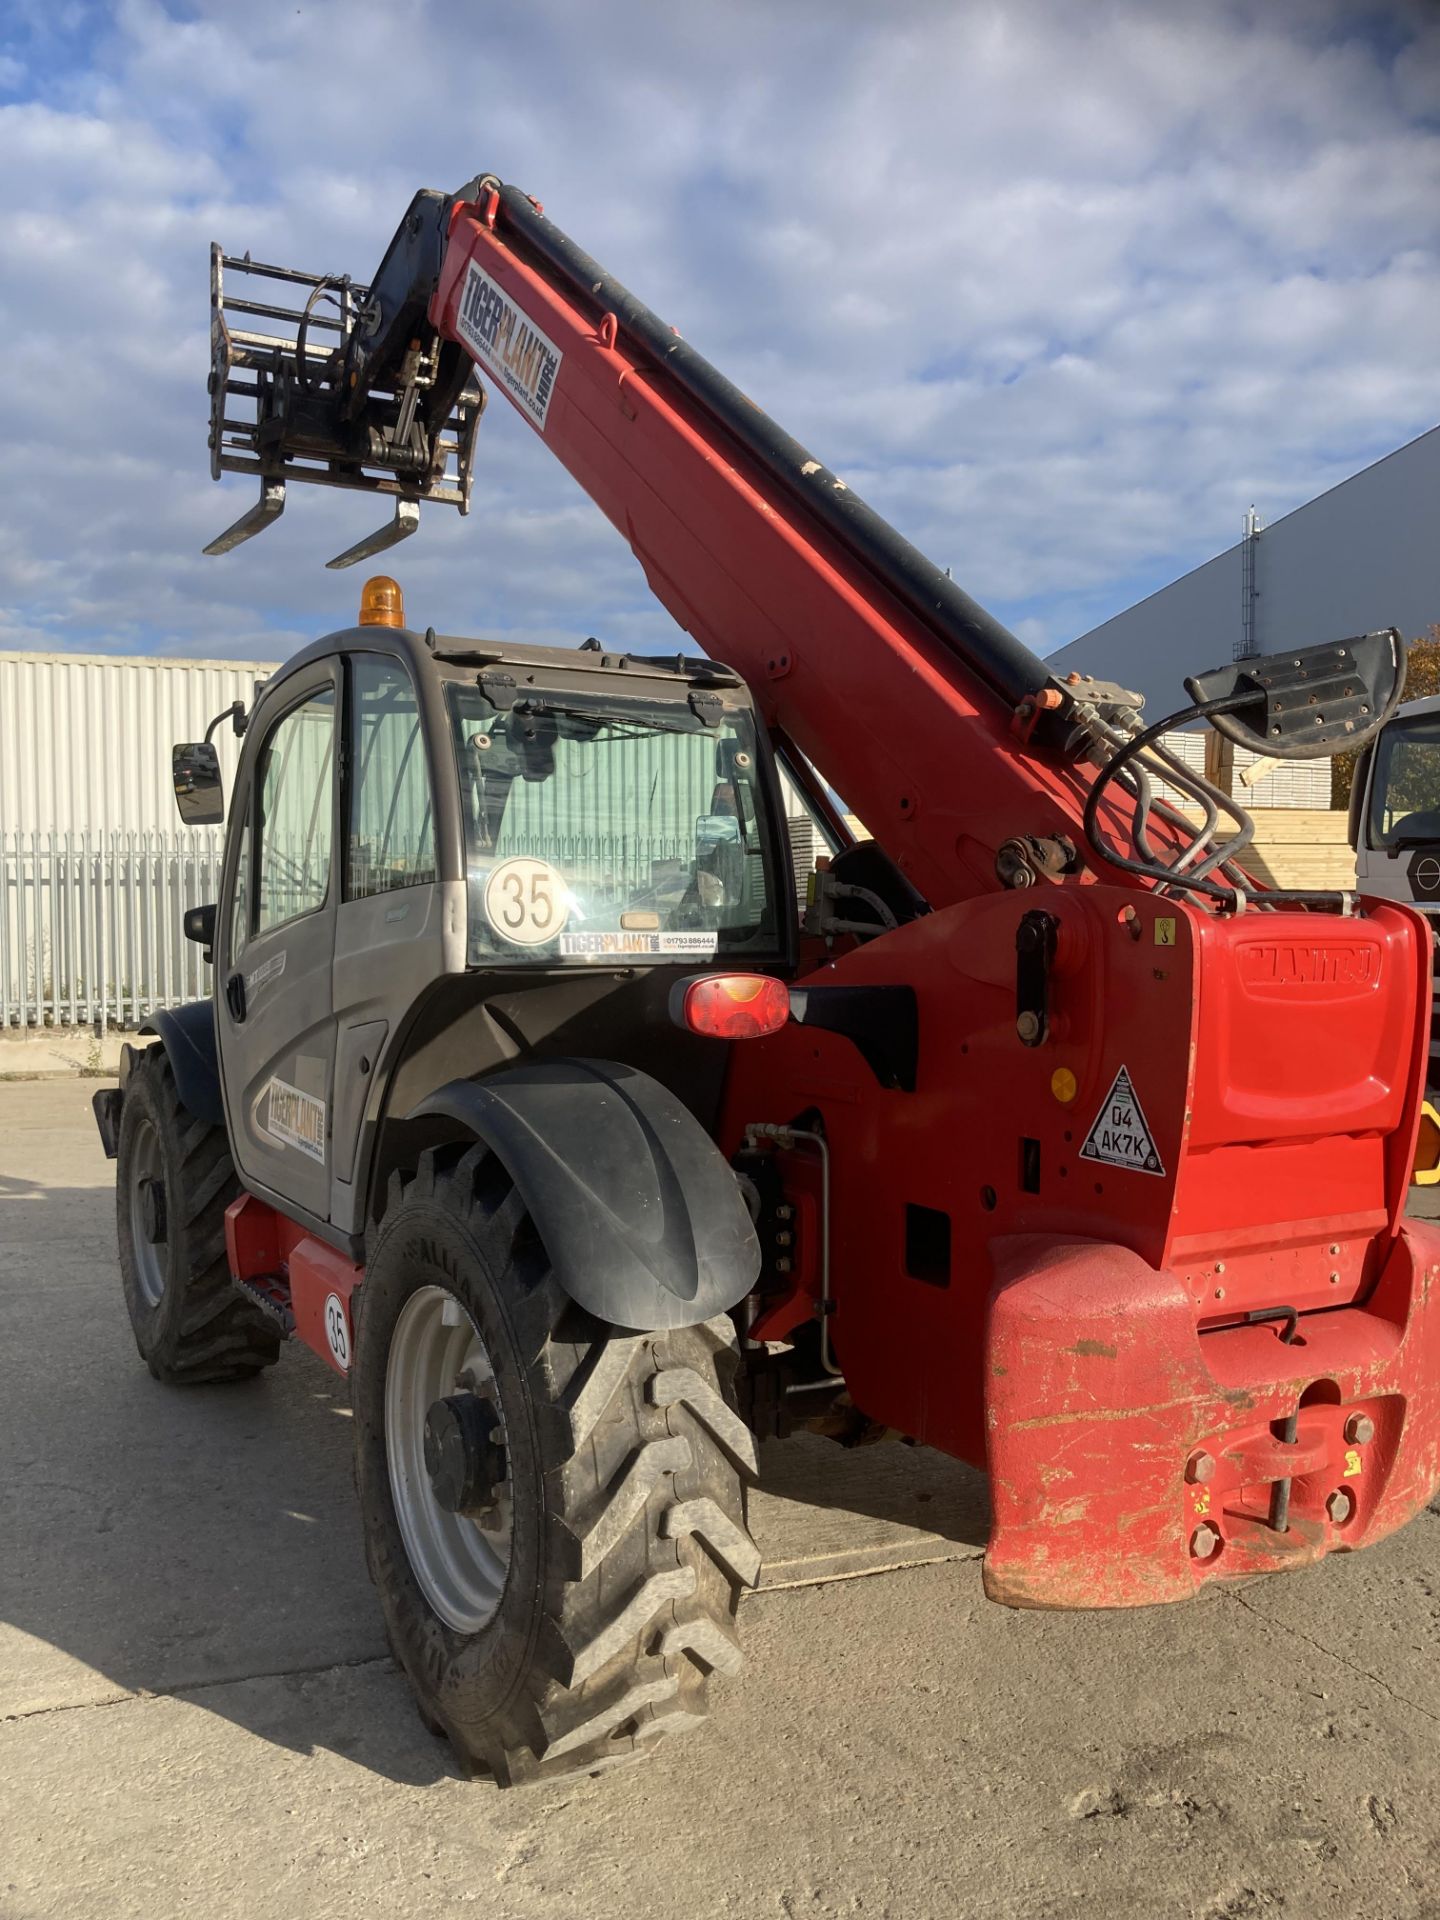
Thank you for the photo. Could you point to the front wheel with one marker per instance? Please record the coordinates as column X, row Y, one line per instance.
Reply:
column 553, row 1508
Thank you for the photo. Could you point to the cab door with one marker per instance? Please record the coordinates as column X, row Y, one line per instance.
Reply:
column 274, row 1019
column 398, row 927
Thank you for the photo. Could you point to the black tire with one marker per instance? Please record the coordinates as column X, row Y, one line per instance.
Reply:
column 627, row 1463
column 191, row 1325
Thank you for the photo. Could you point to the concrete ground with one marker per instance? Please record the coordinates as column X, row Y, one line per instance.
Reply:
column 198, row 1715
column 44, row 1053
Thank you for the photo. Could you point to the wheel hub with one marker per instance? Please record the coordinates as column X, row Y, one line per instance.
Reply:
column 153, row 1222
column 448, row 1458
column 149, row 1225
column 465, row 1454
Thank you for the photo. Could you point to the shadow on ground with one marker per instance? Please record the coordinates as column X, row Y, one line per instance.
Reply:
column 163, row 1540
column 176, row 1541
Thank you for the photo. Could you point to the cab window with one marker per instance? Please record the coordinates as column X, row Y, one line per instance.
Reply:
column 295, row 813
column 240, row 901
column 597, row 832
column 1405, row 785
column 392, row 821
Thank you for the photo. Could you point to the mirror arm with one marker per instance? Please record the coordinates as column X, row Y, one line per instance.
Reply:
column 237, row 716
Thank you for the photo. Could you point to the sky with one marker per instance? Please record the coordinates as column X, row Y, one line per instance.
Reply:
column 1059, row 288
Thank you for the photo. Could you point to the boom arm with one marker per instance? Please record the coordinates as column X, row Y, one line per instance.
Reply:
column 945, row 733
column 893, row 682
column 878, row 668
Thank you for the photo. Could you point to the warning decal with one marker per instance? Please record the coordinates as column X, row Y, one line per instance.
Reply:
column 1120, row 1137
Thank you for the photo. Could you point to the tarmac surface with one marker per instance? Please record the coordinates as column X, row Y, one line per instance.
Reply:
column 198, row 1714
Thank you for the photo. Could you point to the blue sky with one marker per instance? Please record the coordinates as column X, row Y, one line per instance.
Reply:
column 1060, row 289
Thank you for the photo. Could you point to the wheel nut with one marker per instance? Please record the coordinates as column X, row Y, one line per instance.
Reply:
column 1340, row 1505
column 1204, row 1541
column 1359, row 1430
column 1200, row 1467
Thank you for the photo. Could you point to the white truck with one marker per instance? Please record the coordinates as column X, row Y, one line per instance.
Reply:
column 1395, row 820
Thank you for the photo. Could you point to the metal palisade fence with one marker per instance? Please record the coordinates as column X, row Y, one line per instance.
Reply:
column 90, row 925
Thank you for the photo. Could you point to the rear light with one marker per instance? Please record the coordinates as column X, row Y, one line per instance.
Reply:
column 730, row 1006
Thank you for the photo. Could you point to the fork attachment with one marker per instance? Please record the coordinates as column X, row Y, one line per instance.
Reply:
column 316, row 378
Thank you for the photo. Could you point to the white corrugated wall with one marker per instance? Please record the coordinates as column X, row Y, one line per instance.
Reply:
column 85, row 739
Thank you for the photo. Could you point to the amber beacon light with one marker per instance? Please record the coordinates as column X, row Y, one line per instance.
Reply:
column 381, row 602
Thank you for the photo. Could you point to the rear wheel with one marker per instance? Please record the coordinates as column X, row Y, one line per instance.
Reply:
column 553, row 1509
column 174, row 1179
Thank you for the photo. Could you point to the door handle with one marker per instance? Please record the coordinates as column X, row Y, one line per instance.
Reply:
column 235, row 996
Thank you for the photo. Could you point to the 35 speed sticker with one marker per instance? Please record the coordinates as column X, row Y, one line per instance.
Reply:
column 526, row 901
column 337, row 1331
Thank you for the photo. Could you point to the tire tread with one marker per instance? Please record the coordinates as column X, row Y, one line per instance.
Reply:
column 645, row 1461
column 215, row 1334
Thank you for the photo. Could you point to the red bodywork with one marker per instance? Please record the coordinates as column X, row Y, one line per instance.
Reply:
column 1084, row 1342
column 1082, row 1335
column 296, row 1273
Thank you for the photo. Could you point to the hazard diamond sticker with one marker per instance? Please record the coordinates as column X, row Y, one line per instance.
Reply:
column 1120, row 1136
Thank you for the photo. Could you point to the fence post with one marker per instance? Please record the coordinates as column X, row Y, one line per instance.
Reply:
column 53, row 880
column 4, row 932
column 84, row 942
column 23, row 928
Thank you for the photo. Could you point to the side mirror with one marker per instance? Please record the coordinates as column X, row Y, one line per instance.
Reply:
column 199, row 795
column 199, row 925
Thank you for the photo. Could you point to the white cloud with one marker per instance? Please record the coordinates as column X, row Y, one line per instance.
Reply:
column 1061, row 290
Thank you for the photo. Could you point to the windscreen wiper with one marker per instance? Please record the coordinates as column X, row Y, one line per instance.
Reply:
column 641, row 718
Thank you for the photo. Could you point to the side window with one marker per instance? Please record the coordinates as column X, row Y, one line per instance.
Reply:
column 240, row 902
column 295, row 813
column 392, row 823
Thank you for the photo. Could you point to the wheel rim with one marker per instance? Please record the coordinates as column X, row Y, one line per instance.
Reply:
column 146, row 1164
column 460, row 1563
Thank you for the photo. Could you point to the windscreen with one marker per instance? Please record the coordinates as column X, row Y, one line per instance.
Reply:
column 1405, row 786
column 597, row 833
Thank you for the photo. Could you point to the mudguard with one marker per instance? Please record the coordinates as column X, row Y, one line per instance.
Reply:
column 640, row 1213
column 188, row 1036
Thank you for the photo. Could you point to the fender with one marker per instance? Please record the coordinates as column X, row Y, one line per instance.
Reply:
column 640, row 1212
column 188, row 1036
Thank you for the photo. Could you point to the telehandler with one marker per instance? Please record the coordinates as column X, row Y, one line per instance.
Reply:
column 580, row 1086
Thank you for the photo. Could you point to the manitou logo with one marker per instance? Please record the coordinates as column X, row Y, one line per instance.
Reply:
column 1309, row 966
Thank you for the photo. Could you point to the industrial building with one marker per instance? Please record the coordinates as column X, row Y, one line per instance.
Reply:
column 1362, row 556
